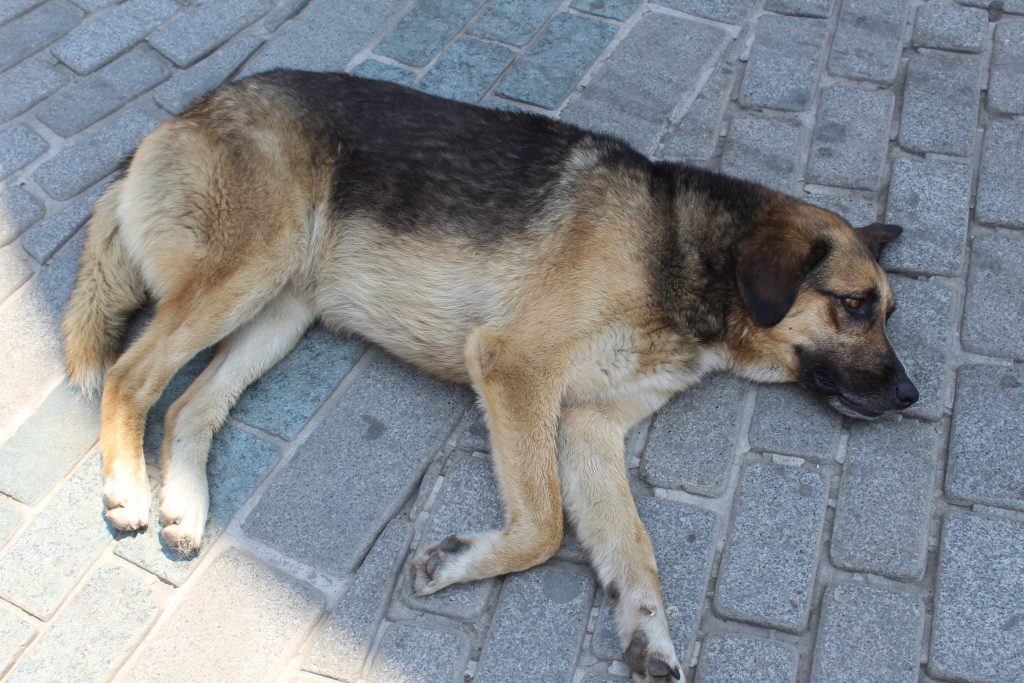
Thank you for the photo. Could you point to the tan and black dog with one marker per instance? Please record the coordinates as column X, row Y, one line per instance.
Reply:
column 574, row 283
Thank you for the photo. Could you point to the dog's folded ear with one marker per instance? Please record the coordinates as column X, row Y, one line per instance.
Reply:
column 877, row 235
column 771, row 265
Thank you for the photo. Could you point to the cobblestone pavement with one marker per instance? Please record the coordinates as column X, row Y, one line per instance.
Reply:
column 793, row 544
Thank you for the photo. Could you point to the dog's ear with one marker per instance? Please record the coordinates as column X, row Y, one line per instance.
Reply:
column 877, row 235
column 771, row 265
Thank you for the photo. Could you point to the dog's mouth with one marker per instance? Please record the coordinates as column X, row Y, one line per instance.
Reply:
column 844, row 404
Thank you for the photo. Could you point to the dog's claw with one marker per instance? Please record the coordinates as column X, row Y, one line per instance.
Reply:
column 433, row 562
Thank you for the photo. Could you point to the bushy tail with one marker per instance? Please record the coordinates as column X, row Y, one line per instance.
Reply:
column 109, row 287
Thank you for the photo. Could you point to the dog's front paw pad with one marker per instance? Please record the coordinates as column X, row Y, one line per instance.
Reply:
column 126, row 498
column 429, row 569
column 648, row 665
column 183, row 510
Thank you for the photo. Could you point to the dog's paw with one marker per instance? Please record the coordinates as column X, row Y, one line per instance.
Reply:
column 435, row 568
column 184, row 504
column 651, row 663
column 126, row 498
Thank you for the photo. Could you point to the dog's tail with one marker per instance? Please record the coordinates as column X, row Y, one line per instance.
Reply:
column 108, row 289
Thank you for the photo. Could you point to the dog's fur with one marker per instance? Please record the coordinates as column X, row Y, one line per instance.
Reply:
column 574, row 283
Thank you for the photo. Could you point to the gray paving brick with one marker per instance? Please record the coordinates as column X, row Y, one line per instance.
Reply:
column 1002, row 174
column 766, row 151
column 868, row 634
column 930, row 198
column 858, row 211
column 285, row 10
column 87, row 160
column 512, row 21
column 425, row 29
column 979, row 600
column 730, row 11
column 613, row 9
column 987, row 437
column 851, row 138
column 12, row 8
column 729, row 658
column 696, row 136
column 557, row 60
column 392, row 419
column 1010, row 6
column 47, row 237
column 103, row 37
column 51, row 555
column 804, row 8
column 185, row 86
column 466, row 70
column 789, row 419
column 19, row 145
column 868, row 39
column 35, row 30
column 202, row 29
column 883, row 516
column 768, row 566
column 19, row 210
column 15, row 634
column 26, row 84
column 948, row 27
column 14, row 270
column 784, row 63
column 940, row 103
column 542, row 612
column 270, row 616
column 679, row 455
column 344, row 639
column 410, row 653
column 93, row 5
column 1006, row 80
column 114, row 603
column 380, row 71
column 88, row 100
column 10, row 520
column 656, row 65
column 992, row 317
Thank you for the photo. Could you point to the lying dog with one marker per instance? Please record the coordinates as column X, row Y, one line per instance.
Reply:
column 574, row 283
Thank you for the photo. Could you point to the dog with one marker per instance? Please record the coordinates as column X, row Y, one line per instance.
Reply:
column 574, row 283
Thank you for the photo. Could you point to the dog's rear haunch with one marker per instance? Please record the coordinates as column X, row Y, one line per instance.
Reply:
column 574, row 283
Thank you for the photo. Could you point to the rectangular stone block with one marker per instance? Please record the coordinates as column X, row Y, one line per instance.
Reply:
column 857, row 211
column 803, row 8
column 10, row 520
column 729, row 11
column 789, row 419
column 14, row 270
column 12, row 8
column 26, row 84
column 655, row 66
column 993, row 323
column 771, row 556
column 202, row 29
column 19, row 145
column 979, row 600
column 380, row 71
column 409, row 653
column 19, row 210
column 1008, row 6
column 851, row 137
column 868, row 634
column 784, row 63
column 104, row 36
column 35, row 30
column 948, row 27
column 52, row 232
column 197, row 80
column 466, row 70
column 940, row 103
column 512, row 21
column 1002, row 175
column 15, row 633
column 612, row 9
column 883, row 516
column 1006, row 79
column 345, row 638
column 557, row 60
column 729, row 658
column 696, row 136
column 425, row 29
column 392, row 419
column 930, row 198
column 270, row 616
column 114, row 603
column 868, row 39
column 766, row 151
column 987, row 437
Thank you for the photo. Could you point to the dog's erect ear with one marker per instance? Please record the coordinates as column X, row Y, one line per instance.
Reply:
column 877, row 235
column 771, row 266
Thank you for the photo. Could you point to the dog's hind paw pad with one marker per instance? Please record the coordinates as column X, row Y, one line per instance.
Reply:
column 432, row 569
column 126, row 498
column 649, row 665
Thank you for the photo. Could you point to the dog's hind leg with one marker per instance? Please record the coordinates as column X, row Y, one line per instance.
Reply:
column 193, row 419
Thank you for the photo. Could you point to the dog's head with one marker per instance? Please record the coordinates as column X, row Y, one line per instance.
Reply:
column 813, row 287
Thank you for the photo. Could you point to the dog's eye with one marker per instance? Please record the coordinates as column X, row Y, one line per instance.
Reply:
column 852, row 303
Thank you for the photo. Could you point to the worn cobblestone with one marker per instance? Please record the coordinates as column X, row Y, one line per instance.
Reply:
column 696, row 136
column 19, row 145
column 202, row 29
column 948, row 27
column 512, row 21
column 993, row 323
column 612, row 9
column 185, row 86
column 803, row 8
column 47, row 237
column 425, row 29
column 410, row 653
column 15, row 633
column 103, row 37
column 1002, row 172
column 1006, row 82
column 867, row 39
column 35, row 30
column 729, row 658
column 787, row 419
column 858, row 211
column 766, row 151
column 729, row 11
column 466, row 70
column 784, row 63
column 19, row 210
column 26, row 84
column 14, row 269
column 10, row 520
column 371, row 68
column 851, row 137
column 940, row 104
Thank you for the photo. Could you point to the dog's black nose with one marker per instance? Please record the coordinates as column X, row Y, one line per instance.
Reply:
column 906, row 392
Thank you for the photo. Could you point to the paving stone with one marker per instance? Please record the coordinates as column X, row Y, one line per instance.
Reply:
column 1009, row 6
column 35, row 30
column 977, row 634
column 789, row 419
column 766, row 151
column 512, row 21
column 993, row 310
column 1002, row 173
column 324, row 36
column 270, row 616
column 26, row 84
column 543, row 612
column 284, row 11
column 410, row 653
column 87, row 160
column 48, row 444
column 784, row 63
column 185, row 86
column 48, row 236
column 88, row 100
column 371, row 68
column 345, row 638
column 729, row 658
column 425, row 29
column 19, row 210
column 10, row 520
column 202, row 29
column 656, row 65
column 729, row 11
column 940, row 103
column 557, row 60
column 857, row 211
column 93, row 5
column 868, row 634
column 283, row 400
column 987, row 437
column 15, row 633
column 948, row 27
column 920, row 331
column 883, row 516
column 930, row 198
column 613, row 9
column 114, row 603
column 14, row 270
column 19, row 145
column 851, row 138
column 768, row 566
column 466, row 70
column 392, row 420
column 692, row 442
column 46, row 561
column 803, row 8
column 1006, row 80
column 12, row 8
column 696, row 136
column 103, row 37
column 868, row 39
